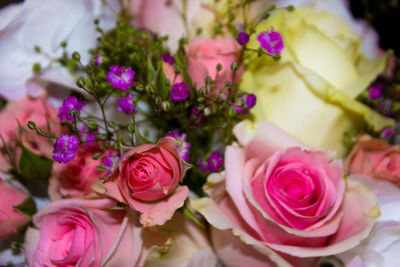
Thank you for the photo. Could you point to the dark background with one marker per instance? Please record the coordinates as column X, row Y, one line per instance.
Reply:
column 384, row 15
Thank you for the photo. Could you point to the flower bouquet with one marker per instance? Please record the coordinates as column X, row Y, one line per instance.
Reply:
column 196, row 133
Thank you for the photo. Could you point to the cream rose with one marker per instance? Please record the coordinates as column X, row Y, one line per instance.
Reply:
column 311, row 91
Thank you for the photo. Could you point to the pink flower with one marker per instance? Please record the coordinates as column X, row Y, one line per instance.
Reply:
column 281, row 203
column 75, row 178
column 83, row 232
column 10, row 218
column 147, row 179
column 22, row 110
column 376, row 158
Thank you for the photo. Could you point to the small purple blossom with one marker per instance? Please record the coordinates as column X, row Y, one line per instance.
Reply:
column 271, row 41
column 386, row 108
column 69, row 104
column 375, row 91
column 125, row 104
column 250, row 100
column 65, row 148
column 196, row 117
column 167, row 58
column 87, row 135
column 239, row 26
column 179, row 92
column 110, row 161
column 387, row 133
column 121, row 77
column 243, row 38
column 99, row 60
column 213, row 162
column 181, row 144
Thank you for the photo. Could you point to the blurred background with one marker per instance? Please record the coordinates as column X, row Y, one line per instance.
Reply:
column 384, row 15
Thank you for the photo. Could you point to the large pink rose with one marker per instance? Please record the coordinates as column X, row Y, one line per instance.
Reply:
column 22, row 110
column 376, row 158
column 75, row 178
column 83, row 232
column 147, row 179
column 281, row 203
column 10, row 218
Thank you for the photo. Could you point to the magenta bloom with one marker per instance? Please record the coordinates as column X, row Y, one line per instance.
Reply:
column 375, row 91
column 167, row 58
column 65, row 148
column 179, row 92
column 121, row 77
column 88, row 135
column 387, row 133
column 251, row 100
column 181, row 144
column 271, row 41
column 125, row 104
column 99, row 60
column 69, row 104
column 213, row 163
column 110, row 161
column 243, row 38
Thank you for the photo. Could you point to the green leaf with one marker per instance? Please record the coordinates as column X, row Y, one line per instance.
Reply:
column 163, row 89
column 188, row 213
column 140, row 139
column 150, row 71
column 33, row 166
column 27, row 207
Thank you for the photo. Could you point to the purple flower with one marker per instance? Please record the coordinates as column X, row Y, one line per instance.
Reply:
column 87, row 135
column 375, row 91
column 387, row 133
column 125, row 104
column 167, row 58
column 121, row 77
column 99, row 60
column 181, row 144
column 65, row 148
column 243, row 38
column 250, row 100
column 110, row 161
column 196, row 117
column 239, row 26
column 386, row 108
column 271, row 41
column 213, row 163
column 179, row 92
column 69, row 104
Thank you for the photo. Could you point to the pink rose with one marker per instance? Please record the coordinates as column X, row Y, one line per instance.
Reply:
column 147, row 179
column 10, row 218
column 285, row 204
column 83, row 232
column 22, row 110
column 75, row 178
column 376, row 158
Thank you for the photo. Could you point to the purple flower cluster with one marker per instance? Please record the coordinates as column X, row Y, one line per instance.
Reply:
column 213, row 162
column 69, row 104
column 110, row 161
column 243, row 38
column 249, row 101
column 271, row 41
column 167, row 58
column 125, row 104
column 65, row 148
column 375, row 91
column 87, row 135
column 121, row 77
column 181, row 144
column 179, row 92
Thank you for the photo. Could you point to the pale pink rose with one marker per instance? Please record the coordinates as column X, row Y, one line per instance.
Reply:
column 83, row 232
column 75, row 178
column 24, row 109
column 286, row 202
column 203, row 56
column 376, row 158
column 10, row 218
column 147, row 179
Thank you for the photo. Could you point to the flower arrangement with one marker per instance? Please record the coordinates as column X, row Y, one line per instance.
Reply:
column 196, row 133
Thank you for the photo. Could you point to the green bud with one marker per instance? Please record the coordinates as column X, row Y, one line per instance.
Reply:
column 231, row 112
column 37, row 49
column 208, row 80
column 145, row 36
column 92, row 124
column 139, row 87
column 276, row 57
column 63, row 44
column 36, row 67
column 111, row 124
column 203, row 91
column 271, row 8
column 76, row 56
column 265, row 16
column 96, row 21
column 201, row 99
column 157, row 100
column 234, row 66
column 207, row 111
column 228, row 84
column 116, row 146
column 39, row 132
column 165, row 105
column 80, row 83
column 199, row 31
column 201, row 107
column 100, row 168
column 130, row 129
column 290, row 8
column 31, row 125
column 150, row 89
column 177, row 68
column 219, row 67
column 96, row 156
